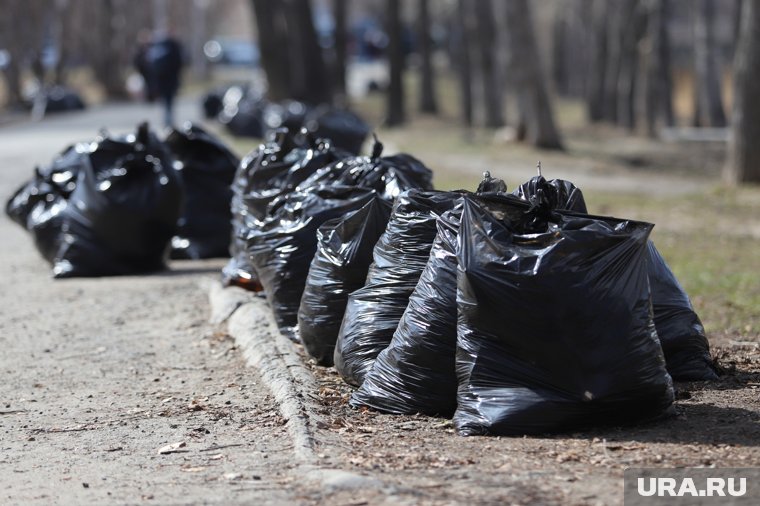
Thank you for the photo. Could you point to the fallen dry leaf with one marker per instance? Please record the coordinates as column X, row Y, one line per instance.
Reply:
column 171, row 448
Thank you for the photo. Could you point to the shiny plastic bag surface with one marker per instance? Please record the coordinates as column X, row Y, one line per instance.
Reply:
column 339, row 267
column 555, row 330
column 282, row 247
column 207, row 168
column 373, row 312
column 124, row 210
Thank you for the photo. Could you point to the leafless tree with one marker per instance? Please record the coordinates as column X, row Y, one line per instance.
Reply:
column 22, row 24
column 310, row 80
column 708, row 104
column 274, row 46
column 486, row 40
column 527, row 75
column 598, row 75
column 340, row 9
column 658, row 82
column 395, row 113
column 461, row 43
column 743, row 164
column 428, row 101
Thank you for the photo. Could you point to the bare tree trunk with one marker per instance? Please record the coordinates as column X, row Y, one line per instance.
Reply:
column 743, row 164
column 560, row 63
column 395, row 116
column 428, row 102
column 22, row 25
column 525, row 66
column 658, row 82
column 709, row 104
column 463, row 62
column 486, row 38
column 274, row 47
column 104, row 61
column 598, row 74
column 341, row 42
column 309, row 78
column 616, row 21
column 633, row 30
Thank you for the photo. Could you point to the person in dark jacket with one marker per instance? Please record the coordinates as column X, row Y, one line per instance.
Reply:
column 164, row 57
column 144, row 41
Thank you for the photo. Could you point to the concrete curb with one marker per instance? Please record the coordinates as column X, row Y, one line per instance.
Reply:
column 251, row 323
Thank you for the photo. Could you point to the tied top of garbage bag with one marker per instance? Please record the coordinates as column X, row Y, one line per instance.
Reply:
column 559, row 194
column 207, row 169
column 123, row 211
column 198, row 150
column 373, row 312
column 282, row 246
column 389, row 176
column 277, row 168
column 555, row 330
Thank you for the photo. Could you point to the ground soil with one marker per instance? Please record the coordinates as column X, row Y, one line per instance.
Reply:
column 99, row 375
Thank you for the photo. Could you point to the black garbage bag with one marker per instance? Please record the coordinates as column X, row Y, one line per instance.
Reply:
column 373, row 312
column 212, row 104
column 242, row 112
column 270, row 171
column 344, row 128
column 416, row 372
column 38, row 204
column 389, row 176
column 683, row 339
column 124, row 210
column 289, row 114
column 558, row 193
column 282, row 247
column 62, row 99
column 285, row 169
column 239, row 271
column 339, row 267
column 207, row 169
column 555, row 330
column 58, row 178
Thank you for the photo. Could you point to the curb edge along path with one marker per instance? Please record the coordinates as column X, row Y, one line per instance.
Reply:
column 251, row 324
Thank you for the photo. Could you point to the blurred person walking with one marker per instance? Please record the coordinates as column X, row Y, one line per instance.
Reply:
column 164, row 62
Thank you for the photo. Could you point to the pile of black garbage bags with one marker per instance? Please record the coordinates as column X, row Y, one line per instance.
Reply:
column 245, row 112
column 123, row 204
column 514, row 313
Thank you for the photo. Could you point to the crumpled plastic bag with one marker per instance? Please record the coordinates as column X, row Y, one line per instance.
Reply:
column 683, row 339
column 373, row 312
column 339, row 267
column 270, row 171
column 282, row 247
column 38, row 203
column 416, row 372
column 124, row 210
column 207, row 168
column 686, row 348
column 555, row 329
column 389, row 176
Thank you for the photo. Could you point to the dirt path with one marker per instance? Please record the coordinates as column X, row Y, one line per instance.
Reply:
column 99, row 374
